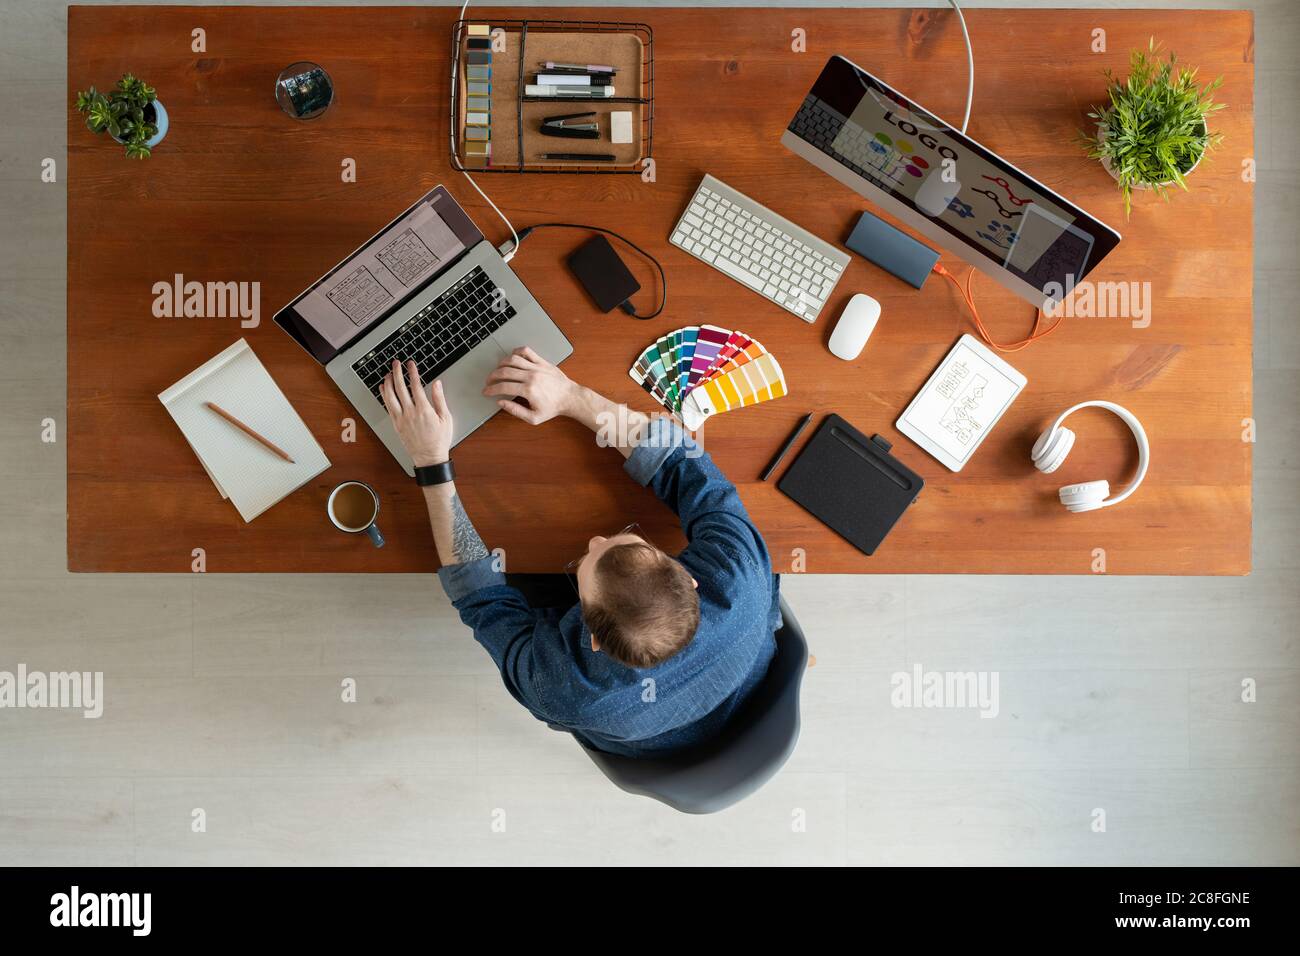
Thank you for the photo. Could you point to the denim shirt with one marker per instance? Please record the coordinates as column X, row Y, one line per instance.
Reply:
column 550, row 668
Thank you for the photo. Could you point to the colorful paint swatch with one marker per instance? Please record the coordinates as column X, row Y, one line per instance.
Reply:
column 735, row 342
column 697, row 372
column 668, row 383
column 650, row 374
column 759, row 380
column 689, row 338
column 752, row 350
column 646, row 366
column 708, row 343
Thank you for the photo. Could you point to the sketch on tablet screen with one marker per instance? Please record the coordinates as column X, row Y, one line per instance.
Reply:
column 959, row 418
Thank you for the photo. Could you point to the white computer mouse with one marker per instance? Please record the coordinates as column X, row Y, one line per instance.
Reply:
column 855, row 325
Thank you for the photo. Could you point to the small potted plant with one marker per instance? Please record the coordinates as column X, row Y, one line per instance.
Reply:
column 129, row 112
column 1155, row 129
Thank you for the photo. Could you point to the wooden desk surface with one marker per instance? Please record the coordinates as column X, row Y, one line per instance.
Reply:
column 239, row 192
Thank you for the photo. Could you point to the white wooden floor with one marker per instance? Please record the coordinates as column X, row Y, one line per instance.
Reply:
column 223, row 692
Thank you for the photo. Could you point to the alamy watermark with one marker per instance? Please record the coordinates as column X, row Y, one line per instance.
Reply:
column 179, row 299
column 130, row 910
column 66, row 690
column 623, row 429
column 976, row 690
column 1100, row 300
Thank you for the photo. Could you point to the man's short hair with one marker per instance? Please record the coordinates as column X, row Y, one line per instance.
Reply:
column 646, row 608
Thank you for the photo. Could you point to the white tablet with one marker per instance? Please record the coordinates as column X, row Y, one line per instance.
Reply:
column 961, row 402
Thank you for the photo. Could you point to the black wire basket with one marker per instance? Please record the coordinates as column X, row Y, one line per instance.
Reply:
column 644, row 95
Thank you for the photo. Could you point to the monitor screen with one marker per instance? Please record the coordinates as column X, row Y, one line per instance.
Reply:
column 997, row 215
column 390, row 267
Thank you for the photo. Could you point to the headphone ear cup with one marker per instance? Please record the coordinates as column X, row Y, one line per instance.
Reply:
column 1051, row 448
column 1085, row 496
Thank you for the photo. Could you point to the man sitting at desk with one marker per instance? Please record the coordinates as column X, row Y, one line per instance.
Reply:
column 660, row 651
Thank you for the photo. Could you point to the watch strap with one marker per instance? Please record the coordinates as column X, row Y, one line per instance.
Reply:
column 439, row 474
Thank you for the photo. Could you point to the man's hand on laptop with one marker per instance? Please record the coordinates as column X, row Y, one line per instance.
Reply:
column 549, row 393
column 423, row 423
column 523, row 374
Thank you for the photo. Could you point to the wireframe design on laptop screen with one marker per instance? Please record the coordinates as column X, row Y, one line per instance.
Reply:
column 377, row 278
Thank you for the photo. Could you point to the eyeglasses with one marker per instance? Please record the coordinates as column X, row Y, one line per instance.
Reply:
column 571, row 569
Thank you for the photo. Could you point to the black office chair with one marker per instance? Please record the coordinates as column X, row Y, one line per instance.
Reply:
column 752, row 747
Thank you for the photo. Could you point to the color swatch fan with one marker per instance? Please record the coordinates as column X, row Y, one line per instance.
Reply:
column 700, row 371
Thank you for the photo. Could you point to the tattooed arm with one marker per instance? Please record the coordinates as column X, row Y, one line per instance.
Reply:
column 502, row 621
column 423, row 423
column 453, row 532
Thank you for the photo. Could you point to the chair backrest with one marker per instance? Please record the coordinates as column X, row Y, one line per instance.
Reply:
column 753, row 746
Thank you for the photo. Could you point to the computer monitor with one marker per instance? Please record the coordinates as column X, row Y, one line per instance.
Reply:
column 945, row 185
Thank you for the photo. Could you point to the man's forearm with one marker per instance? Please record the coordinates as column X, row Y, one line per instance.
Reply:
column 614, row 424
column 453, row 532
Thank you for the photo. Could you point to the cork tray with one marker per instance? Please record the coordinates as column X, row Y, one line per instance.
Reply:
column 517, row 142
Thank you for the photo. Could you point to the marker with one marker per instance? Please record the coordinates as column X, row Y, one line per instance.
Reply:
column 794, row 436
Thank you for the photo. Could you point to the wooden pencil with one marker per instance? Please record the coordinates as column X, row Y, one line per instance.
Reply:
column 249, row 432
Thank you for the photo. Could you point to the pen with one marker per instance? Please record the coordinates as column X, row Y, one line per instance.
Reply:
column 584, row 67
column 794, row 435
column 582, row 157
column 248, row 431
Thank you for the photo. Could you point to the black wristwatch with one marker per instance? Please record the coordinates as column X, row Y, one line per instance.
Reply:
column 435, row 474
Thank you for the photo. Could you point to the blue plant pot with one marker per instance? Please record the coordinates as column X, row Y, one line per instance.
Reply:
column 159, row 119
column 161, row 122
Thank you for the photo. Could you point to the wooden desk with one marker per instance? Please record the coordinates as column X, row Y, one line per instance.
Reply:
column 239, row 192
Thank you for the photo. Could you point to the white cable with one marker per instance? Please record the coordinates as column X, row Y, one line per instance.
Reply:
column 970, row 63
column 511, row 254
column 454, row 78
column 970, row 95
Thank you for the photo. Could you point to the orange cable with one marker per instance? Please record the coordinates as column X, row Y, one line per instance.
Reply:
column 965, row 293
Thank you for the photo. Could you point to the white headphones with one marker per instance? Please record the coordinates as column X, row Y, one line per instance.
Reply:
column 1055, row 443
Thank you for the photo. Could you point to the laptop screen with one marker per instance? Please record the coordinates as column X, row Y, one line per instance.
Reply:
column 369, row 285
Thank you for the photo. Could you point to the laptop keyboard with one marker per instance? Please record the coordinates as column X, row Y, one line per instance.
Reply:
column 817, row 123
column 441, row 333
column 846, row 143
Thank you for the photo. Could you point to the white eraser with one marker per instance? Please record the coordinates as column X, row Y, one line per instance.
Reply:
column 620, row 126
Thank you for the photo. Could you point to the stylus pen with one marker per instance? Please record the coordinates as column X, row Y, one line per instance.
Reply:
column 581, row 157
column 794, row 436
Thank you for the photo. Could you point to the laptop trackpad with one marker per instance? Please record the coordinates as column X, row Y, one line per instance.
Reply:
column 463, row 386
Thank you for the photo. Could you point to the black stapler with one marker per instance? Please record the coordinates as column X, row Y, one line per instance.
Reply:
column 560, row 126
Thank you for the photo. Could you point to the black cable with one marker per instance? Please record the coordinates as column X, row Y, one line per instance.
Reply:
column 627, row 306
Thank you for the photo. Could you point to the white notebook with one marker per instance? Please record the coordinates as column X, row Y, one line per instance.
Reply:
column 243, row 469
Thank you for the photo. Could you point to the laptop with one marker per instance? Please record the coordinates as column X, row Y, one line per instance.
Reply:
column 427, row 287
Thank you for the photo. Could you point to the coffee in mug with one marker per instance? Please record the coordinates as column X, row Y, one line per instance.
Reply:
column 353, row 507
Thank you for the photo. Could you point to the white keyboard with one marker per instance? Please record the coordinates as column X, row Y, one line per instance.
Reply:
column 774, row 257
